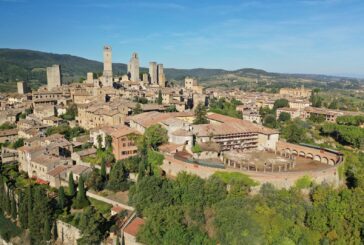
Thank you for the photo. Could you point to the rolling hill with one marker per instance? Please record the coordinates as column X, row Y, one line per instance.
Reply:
column 29, row 65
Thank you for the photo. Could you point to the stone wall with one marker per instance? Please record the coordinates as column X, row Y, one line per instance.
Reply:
column 67, row 234
column 318, row 154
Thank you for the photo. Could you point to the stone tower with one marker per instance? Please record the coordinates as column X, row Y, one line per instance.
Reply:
column 161, row 76
column 54, row 79
column 145, row 78
column 133, row 68
column 153, row 72
column 107, row 74
column 22, row 87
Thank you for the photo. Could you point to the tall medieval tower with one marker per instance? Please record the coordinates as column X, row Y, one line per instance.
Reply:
column 107, row 74
column 133, row 68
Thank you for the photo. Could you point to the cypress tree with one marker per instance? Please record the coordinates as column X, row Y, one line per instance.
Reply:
column 103, row 170
column 40, row 214
column 160, row 98
column 29, row 204
column 61, row 198
column 141, row 171
column 55, row 231
column 47, row 230
column 71, row 185
column 2, row 196
column 13, row 207
column 81, row 199
column 23, row 210
column 7, row 203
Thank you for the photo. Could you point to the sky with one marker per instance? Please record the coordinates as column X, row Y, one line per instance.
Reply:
column 292, row 36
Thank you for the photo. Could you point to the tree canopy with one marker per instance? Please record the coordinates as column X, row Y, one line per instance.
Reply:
column 200, row 114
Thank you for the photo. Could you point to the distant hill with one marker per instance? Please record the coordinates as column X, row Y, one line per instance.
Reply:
column 29, row 65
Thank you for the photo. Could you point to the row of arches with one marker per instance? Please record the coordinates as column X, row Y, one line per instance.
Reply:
column 315, row 157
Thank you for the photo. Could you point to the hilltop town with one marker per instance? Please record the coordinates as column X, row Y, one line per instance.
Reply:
column 89, row 159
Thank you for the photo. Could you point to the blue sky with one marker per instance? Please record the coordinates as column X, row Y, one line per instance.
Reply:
column 295, row 36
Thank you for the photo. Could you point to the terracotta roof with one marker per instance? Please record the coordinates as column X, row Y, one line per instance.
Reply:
column 287, row 109
column 117, row 209
column 58, row 170
column 86, row 152
column 133, row 227
column 41, row 182
column 169, row 147
column 46, row 160
column 8, row 132
column 182, row 132
column 230, row 125
column 123, row 132
column 79, row 169
column 148, row 119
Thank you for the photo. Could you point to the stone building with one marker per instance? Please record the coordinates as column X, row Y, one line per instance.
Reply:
column 54, row 79
column 43, row 111
column 327, row 114
column 107, row 76
column 296, row 92
column 233, row 133
column 133, row 68
column 153, row 72
column 145, row 78
column 22, row 87
column 90, row 78
column 161, row 76
column 99, row 114
column 190, row 83
column 123, row 142
column 293, row 112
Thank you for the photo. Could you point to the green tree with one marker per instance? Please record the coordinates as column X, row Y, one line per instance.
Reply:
column 155, row 135
column 171, row 108
column 294, row 132
column 103, row 170
column 40, row 213
column 29, row 204
column 23, row 210
column 200, row 114
column 137, row 109
column 118, row 180
column 284, row 117
column 71, row 112
column 108, row 142
column 95, row 181
column 61, row 198
column 270, row 121
column 280, row 103
column 160, row 98
column 316, row 99
column 92, row 225
column 47, row 230
column 14, row 212
column 99, row 141
column 81, row 200
column 317, row 118
column 7, row 125
column 71, row 185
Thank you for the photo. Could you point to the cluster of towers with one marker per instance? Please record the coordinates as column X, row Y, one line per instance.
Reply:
column 154, row 77
column 156, row 73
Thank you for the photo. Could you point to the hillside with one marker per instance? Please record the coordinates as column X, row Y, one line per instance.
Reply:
column 21, row 64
